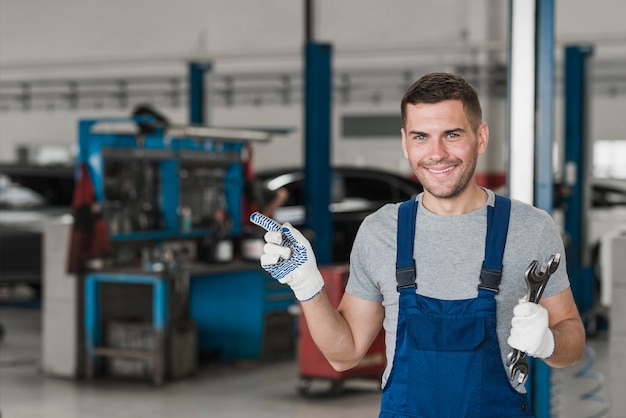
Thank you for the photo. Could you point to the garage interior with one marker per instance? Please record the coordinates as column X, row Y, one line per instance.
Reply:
column 137, row 137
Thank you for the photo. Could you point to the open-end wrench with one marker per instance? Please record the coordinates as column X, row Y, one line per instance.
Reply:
column 536, row 281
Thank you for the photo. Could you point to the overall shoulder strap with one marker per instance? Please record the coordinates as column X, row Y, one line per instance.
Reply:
column 497, row 229
column 405, row 264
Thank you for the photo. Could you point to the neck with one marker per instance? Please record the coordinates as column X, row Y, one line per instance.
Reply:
column 469, row 200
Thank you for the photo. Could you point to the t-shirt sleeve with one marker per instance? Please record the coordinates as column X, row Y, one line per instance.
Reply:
column 361, row 282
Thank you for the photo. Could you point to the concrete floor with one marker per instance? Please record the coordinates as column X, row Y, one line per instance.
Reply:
column 224, row 391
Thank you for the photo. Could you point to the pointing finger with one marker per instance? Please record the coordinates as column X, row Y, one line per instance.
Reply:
column 264, row 222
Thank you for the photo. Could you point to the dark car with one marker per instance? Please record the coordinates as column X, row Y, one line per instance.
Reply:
column 607, row 193
column 356, row 192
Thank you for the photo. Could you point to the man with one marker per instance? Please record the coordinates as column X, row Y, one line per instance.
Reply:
column 448, row 327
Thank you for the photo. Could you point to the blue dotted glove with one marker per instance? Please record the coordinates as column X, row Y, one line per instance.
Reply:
column 289, row 258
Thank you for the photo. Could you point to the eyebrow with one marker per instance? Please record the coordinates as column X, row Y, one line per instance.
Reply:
column 446, row 132
column 454, row 130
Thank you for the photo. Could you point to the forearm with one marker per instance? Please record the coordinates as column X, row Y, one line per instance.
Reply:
column 344, row 334
column 569, row 343
column 330, row 332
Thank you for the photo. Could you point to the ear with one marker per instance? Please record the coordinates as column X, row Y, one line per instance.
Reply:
column 483, row 137
column 404, row 139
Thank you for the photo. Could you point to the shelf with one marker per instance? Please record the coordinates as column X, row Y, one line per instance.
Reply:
column 120, row 352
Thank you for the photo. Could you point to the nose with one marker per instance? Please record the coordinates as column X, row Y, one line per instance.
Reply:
column 438, row 150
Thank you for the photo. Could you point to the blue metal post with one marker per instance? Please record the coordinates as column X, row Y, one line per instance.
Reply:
column 575, row 72
column 90, row 153
column 197, row 89
column 544, row 178
column 170, row 192
column 317, row 181
column 92, row 323
column 92, row 314
column 159, row 305
column 233, row 190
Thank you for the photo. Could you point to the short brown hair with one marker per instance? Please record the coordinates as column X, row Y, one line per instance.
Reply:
column 438, row 87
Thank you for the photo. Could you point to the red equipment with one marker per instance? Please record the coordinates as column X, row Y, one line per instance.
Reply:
column 313, row 364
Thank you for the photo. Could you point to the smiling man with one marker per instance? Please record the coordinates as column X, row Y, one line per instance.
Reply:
column 442, row 273
column 442, row 145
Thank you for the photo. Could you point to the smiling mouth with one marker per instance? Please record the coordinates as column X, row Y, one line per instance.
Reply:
column 441, row 171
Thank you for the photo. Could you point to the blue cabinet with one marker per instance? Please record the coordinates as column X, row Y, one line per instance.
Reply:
column 241, row 314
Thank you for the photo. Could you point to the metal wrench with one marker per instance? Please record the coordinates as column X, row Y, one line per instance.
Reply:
column 536, row 281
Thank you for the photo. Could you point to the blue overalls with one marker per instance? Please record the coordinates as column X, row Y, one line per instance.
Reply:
column 447, row 361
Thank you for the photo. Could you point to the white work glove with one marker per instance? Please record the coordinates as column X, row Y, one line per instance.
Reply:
column 289, row 258
column 530, row 332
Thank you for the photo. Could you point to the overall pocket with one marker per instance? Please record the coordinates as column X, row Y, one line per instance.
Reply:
column 445, row 365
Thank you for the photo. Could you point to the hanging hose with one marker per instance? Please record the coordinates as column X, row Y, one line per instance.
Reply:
column 555, row 394
column 589, row 395
column 592, row 394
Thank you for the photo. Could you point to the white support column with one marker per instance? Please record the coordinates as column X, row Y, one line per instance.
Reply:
column 522, row 100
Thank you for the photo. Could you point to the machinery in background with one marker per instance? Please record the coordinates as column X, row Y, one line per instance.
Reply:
column 168, row 200
column 173, row 184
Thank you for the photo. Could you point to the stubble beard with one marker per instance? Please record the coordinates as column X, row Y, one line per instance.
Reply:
column 444, row 191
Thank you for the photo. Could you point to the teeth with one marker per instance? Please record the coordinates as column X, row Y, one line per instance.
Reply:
column 445, row 170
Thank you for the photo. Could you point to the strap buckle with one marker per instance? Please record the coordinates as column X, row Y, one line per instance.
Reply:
column 405, row 276
column 490, row 279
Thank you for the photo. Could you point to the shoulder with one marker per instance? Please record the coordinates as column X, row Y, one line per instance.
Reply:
column 385, row 218
column 518, row 207
column 379, row 227
column 372, row 260
column 523, row 212
column 387, row 213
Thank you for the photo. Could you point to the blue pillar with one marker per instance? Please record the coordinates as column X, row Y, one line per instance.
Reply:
column 197, row 98
column 317, row 121
column 544, row 179
column 575, row 73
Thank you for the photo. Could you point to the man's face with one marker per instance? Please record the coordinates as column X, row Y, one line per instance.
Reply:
column 441, row 146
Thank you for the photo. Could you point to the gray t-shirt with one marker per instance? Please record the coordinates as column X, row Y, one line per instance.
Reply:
column 449, row 251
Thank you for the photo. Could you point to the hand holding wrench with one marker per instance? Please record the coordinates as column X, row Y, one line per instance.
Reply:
column 536, row 281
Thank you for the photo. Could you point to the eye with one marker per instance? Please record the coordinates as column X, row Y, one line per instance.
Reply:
column 419, row 137
column 453, row 135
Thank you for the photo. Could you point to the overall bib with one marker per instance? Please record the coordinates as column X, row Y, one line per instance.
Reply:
column 447, row 361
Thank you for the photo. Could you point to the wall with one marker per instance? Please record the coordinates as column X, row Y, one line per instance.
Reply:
column 142, row 38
